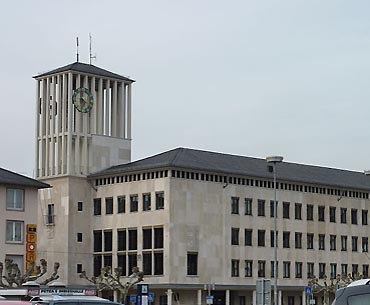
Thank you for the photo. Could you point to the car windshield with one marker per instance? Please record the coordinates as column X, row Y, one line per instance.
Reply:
column 360, row 299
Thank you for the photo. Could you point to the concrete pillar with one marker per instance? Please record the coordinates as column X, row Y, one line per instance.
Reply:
column 52, row 125
column 84, row 129
column 70, row 118
column 99, row 108
column 304, row 298
column 93, row 116
column 64, row 122
column 169, row 296
column 254, row 297
column 129, row 112
column 114, row 113
column 124, row 115
column 280, row 297
column 107, row 108
column 227, row 297
column 47, row 127
column 199, row 299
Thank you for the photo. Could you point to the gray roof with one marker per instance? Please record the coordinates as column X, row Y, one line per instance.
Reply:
column 86, row 69
column 10, row 178
column 186, row 158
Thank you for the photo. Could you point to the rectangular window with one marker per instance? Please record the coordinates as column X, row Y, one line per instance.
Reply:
column 97, row 206
column 79, row 268
column 121, row 240
column 108, row 241
column 147, row 238
column 132, row 261
column 50, row 217
column 107, row 260
column 364, row 217
column 234, row 267
column 354, row 243
column 321, row 213
column 344, row 268
column 343, row 215
column 158, row 238
column 286, row 239
column 147, row 263
column 310, row 270
column 98, row 241
column 273, row 269
column 159, row 201
column 234, row 205
column 354, row 216
column 272, row 239
column 79, row 237
column 286, row 270
column 309, row 240
column 192, row 263
column 248, row 206
column 15, row 199
column 286, row 210
column 365, row 244
column 298, row 211
column 121, row 201
column 80, row 208
column 109, row 206
column 98, row 264
column 322, row 267
column 121, row 261
column 333, row 270
column 272, row 209
column 261, row 238
column 354, row 270
column 14, row 231
column 332, row 213
column 298, row 240
column 261, row 207
column 309, row 212
column 365, row 271
column 146, row 202
column 248, row 237
column 333, row 242
column 321, row 241
column 261, row 268
column 248, row 268
column 134, row 204
column 132, row 240
column 343, row 243
column 158, row 263
column 298, row 270
column 235, row 236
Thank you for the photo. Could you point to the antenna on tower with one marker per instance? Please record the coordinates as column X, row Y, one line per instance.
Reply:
column 78, row 55
column 90, row 52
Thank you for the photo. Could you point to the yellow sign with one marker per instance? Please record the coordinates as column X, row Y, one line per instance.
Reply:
column 31, row 228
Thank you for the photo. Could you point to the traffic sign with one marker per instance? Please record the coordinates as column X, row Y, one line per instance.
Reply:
column 209, row 299
column 308, row 290
column 151, row 297
column 133, row 298
column 31, row 247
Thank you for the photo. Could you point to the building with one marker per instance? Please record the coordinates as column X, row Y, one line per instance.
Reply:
column 19, row 209
column 195, row 222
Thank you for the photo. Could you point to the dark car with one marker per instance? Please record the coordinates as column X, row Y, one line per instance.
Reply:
column 356, row 293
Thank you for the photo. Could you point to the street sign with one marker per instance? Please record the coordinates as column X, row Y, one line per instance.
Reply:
column 133, row 298
column 142, row 289
column 308, row 290
column 209, row 299
column 151, row 297
column 312, row 301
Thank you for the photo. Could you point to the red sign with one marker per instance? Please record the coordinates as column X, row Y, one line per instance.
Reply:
column 31, row 247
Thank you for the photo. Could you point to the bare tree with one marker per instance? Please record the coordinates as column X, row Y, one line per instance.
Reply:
column 111, row 280
column 10, row 274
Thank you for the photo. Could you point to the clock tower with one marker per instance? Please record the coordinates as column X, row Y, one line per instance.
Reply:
column 83, row 124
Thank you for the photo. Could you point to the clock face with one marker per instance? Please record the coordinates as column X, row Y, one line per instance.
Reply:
column 83, row 100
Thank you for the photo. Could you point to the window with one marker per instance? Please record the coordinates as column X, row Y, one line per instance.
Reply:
column 234, row 267
column 298, row 240
column 132, row 240
column 309, row 240
column 354, row 216
column 79, row 237
column 132, row 261
column 234, row 205
column 261, row 268
column 290, row 300
column 261, row 207
column 158, row 263
column 261, row 238
column 80, row 208
column 343, row 215
column 298, row 270
column 109, row 206
column 286, row 269
column 98, row 241
column 97, row 206
column 248, row 268
column 15, row 199
column 322, row 267
column 159, row 201
column 248, row 206
column 121, row 200
column 146, row 202
column 121, row 261
column 14, row 231
column 134, row 205
column 332, row 214
column 343, row 243
column 192, row 263
column 50, row 217
column 248, row 237
column 272, row 239
column 147, row 238
column 158, row 238
column 272, row 209
column 286, row 210
column 365, row 244
column 333, row 242
column 354, row 243
column 79, row 268
column 235, row 236
column 147, row 263
column 273, row 269
column 97, row 264
column 354, row 270
column 321, row 241
column 365, row 271
column 121, row 240
column 286, row 239
column 108, row 241
column 310, row 270
column 344, row 268
column 333, row 270
column 309, row 212
column 364, row 217
column 298, row 211
column 321, row 213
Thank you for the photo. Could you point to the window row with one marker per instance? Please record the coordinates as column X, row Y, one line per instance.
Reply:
column 321, row 240
column 132, row 177
column 127, row 239
column 333, row 214
column 259, row 268
column 146, row 203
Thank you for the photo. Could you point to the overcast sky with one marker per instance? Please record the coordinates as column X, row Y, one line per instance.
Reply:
column 246, row 77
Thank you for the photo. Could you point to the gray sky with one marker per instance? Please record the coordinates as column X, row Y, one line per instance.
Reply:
column 248, row 77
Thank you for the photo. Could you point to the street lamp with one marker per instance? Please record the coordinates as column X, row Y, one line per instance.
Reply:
column 274, row 160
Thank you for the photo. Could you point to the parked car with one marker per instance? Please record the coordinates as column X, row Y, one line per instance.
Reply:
column 356, row 293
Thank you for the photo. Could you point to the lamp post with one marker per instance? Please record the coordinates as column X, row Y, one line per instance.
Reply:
column 274, row 160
